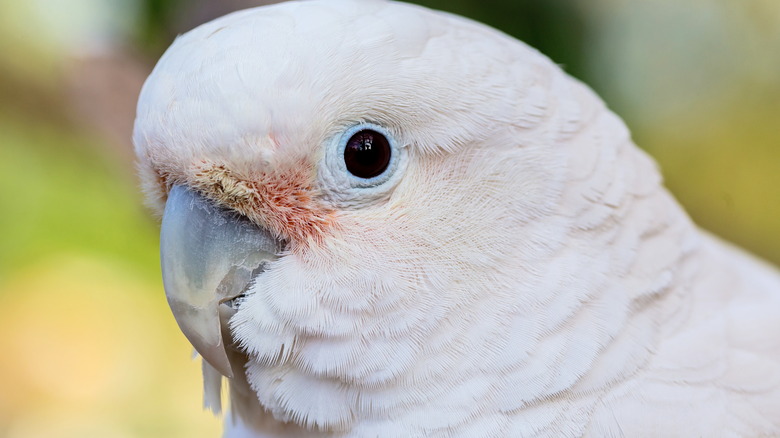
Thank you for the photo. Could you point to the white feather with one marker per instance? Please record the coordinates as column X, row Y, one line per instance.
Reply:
column 525, row 275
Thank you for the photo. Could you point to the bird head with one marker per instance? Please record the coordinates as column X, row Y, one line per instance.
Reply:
column 361, row 195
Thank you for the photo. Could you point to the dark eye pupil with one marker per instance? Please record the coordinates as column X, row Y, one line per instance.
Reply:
column 367, row 154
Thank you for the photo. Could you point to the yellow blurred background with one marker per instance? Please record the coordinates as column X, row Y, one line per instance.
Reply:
column 88, row 347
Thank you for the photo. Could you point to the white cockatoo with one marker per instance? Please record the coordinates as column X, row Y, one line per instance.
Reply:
column 380, row 220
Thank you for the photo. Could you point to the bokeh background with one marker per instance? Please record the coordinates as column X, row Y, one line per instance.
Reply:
column 88, row 347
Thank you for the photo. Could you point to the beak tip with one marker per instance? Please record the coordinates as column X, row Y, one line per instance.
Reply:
column 219, row 361
column 203, row 329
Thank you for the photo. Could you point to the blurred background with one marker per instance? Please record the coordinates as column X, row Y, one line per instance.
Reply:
column 89, row 347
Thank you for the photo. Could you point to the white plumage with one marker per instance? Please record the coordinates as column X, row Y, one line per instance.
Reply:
column 518, row 270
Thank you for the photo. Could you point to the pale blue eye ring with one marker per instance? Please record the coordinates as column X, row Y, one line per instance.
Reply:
column 396, row 155
column 341, row 186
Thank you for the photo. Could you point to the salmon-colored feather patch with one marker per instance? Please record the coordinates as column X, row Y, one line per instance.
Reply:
column 280, row 200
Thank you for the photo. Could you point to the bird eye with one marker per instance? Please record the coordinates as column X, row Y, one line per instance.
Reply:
column 367, row 154
column 361, row 164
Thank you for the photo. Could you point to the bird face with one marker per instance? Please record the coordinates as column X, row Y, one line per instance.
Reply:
column 348, row 192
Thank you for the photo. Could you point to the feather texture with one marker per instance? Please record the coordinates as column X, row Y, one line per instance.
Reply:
column 526, row 274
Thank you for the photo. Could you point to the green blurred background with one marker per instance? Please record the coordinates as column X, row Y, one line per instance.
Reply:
column 89, row 348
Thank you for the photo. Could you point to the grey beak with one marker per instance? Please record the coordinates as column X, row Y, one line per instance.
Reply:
column 209, row 256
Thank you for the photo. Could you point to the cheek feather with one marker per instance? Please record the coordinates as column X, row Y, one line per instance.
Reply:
column 281, row 200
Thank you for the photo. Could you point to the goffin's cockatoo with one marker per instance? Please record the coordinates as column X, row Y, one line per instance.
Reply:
column 383, row 221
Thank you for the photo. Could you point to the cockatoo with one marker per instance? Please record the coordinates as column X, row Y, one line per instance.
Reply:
column 380, row 220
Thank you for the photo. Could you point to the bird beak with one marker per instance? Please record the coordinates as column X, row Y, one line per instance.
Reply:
column 209, row 257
